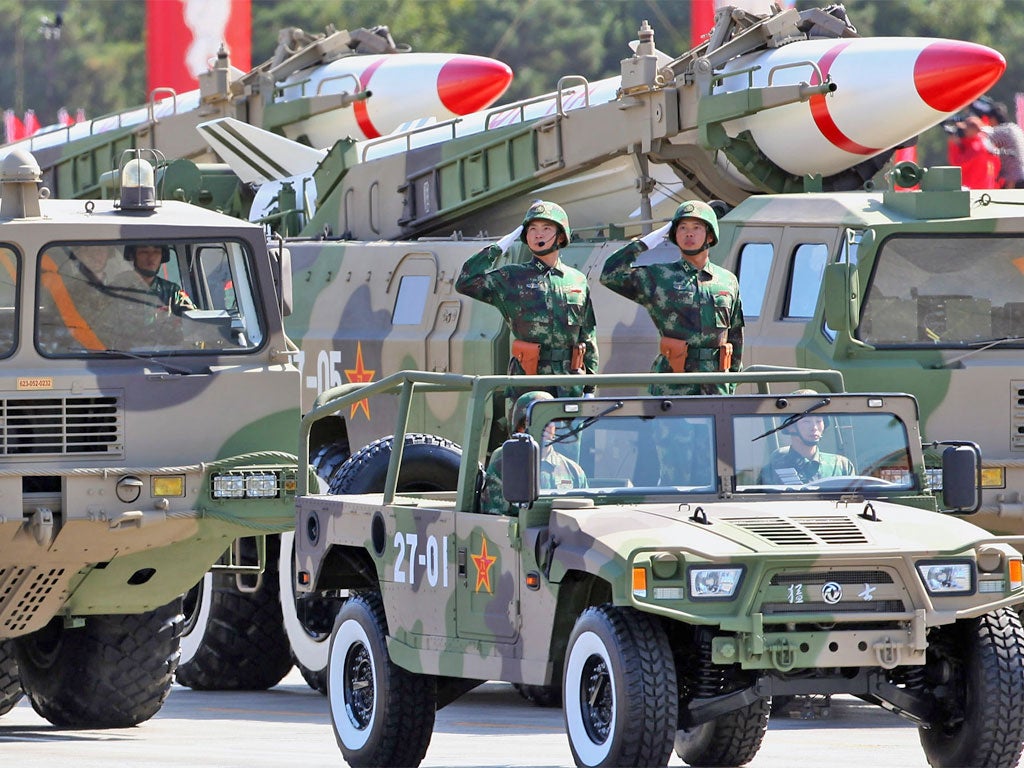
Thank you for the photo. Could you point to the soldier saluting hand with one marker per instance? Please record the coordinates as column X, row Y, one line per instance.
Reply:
column 694, row 304
column 545, row 302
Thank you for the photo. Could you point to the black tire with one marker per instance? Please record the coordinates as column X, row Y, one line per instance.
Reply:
column 114, row 672
column 235, row 641
column 981, row 718
column 619, row 689
column 10, row 681
column 540, row 695
column 329, row 460
column 381, row 713
column 429, row 463
column 730, row 739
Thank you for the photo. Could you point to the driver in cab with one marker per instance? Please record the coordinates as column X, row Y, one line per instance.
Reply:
column 802, row 461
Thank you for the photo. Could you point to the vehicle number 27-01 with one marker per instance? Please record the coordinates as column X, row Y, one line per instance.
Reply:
column 432, row 562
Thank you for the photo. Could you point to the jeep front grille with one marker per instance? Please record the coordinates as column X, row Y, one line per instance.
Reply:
column 860, row 606
column 61, row 425
column 839, row 577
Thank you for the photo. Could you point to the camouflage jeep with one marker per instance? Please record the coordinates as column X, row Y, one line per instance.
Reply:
column 709, row 562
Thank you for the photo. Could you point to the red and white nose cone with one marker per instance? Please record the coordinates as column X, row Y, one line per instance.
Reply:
column 470, row 83
column 949, row 73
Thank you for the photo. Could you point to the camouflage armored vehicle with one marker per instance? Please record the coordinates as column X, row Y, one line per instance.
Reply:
column 133, row 426
column 687, row 582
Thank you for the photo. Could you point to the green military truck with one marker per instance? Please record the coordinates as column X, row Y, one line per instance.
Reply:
column 133, row 430
column 678, row 590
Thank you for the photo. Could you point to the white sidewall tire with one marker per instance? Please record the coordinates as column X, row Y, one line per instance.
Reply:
column 349, row 634
column 193, row 640
column 311, row 652
column 586, row 645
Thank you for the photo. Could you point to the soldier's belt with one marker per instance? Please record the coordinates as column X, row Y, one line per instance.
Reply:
column 677, row 351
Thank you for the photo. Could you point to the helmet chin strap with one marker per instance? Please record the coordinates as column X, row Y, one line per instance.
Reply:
column 545, row 251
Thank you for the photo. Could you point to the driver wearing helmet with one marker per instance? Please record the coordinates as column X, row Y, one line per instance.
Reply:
column 556, row 470
column 694, row 304
column 545, row 302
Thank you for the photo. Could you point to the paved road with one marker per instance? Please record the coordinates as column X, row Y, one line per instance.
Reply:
column 492, row 726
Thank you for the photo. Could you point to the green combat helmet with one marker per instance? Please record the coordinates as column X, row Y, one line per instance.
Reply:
column 695, row 209
column 523, row 404
column 552, row 212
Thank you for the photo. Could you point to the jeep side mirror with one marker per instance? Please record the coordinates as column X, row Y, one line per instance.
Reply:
column 960, row 476
column 520, row 462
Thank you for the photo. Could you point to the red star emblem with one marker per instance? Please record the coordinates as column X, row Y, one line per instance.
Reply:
column 483, row 563
column 359, row 375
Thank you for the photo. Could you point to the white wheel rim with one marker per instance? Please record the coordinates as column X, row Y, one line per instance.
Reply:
column 590, row 753
column 310, row 651
column 196, row 632
column 348, row 634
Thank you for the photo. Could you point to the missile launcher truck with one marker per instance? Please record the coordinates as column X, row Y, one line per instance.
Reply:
column 377, row 233
column 678, row 588
column 133, row 437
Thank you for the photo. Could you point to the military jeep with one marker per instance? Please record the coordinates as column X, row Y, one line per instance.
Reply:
column 702, row 570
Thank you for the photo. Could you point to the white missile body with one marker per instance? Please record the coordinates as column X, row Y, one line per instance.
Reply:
column 888, row 91
column 403, row 86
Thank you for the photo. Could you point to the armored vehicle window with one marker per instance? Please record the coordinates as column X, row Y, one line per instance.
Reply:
column 754, row 266
column 9, row 265
column 145, row 297
column 628, row 454
column 412, row 299
column 805, row 277
column 822, row 452
column 923, row 292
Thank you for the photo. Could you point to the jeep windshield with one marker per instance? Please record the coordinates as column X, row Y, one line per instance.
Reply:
column 945, row 292
column 149, row 298
column 808, row 451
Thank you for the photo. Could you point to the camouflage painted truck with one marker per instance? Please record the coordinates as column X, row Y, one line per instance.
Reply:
column 681, row 589
column 133, row 439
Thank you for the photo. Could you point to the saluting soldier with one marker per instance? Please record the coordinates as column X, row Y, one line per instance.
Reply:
column 545, row 302
column 694, row 304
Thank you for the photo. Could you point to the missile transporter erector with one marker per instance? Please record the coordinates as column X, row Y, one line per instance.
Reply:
column 694, row 575
column 133, row 425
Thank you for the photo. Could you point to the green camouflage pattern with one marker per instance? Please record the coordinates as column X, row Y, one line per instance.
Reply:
column 109, row 454
column 827, row 577
column 549, row 306
column 700, row 306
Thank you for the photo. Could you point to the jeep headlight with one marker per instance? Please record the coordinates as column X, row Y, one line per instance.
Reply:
column 947, row 578
column 718, row 583
column 249, row 484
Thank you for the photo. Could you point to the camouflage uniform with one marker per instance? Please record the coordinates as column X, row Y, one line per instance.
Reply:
column 822, row 465
column 701, row 307
column 549, row 306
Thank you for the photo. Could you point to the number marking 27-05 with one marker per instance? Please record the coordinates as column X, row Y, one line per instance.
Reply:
column 433, row 561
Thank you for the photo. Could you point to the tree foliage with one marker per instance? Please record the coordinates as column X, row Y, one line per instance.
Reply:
column 98, row 62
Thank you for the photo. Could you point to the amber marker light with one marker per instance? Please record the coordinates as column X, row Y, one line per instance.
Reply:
column 1016, row 573
column 639, row 581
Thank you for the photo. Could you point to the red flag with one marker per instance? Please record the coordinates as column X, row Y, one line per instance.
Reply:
column 31, row 122
column 80, row 115
column 183, row 37
column 64, row 117
column 702, row 19
column 14, row 129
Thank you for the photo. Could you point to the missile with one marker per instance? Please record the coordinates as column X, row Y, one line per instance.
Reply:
column 888, row 90
column 404, row 86
column 386, row 90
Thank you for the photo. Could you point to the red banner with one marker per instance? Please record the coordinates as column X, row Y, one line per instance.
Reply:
column 183, row 37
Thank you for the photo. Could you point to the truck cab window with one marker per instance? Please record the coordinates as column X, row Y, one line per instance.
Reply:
column 754, row 267
column 807, row 269
column 9, row 265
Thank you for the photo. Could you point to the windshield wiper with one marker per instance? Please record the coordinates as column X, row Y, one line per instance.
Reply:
column 587, row 423
column 168, row 366
column 984, row 344
column 790, row 420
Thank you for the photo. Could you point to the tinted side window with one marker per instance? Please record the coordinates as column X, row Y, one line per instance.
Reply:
column 9, row 270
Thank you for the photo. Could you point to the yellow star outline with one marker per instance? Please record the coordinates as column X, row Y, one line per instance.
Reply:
column 359, row 375
column 483, row 563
